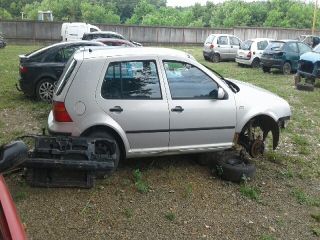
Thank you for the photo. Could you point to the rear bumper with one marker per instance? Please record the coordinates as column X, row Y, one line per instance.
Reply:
column 26, row 87
column 243, row 61
column 272, row 63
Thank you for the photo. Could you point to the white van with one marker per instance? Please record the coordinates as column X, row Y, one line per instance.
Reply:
column 74, row 31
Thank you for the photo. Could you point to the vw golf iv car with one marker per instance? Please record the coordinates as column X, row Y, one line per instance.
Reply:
column 156, row 101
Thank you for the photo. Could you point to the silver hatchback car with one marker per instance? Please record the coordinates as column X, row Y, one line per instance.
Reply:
column 157, row 101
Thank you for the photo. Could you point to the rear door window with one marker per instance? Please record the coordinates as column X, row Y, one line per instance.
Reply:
column 234, row 41
column 222, row 40
column 292, row 47
column 262, row 45
column 131, row 80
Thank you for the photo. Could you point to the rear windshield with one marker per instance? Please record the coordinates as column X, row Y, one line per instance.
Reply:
column 275, row 46
column 246, row 45
column 65, row 75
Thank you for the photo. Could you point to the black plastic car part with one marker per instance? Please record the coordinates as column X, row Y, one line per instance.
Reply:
column 12, row 155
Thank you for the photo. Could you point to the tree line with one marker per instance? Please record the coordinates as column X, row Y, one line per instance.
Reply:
column 230, row 13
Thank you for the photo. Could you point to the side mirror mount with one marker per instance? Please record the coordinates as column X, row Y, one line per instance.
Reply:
column 221, row 93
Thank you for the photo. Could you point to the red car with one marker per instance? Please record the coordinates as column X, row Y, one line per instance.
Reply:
column 11, row 227
column 115, row 42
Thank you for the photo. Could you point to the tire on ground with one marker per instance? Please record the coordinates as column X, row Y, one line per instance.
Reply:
column 305, row 87
column 235, row 170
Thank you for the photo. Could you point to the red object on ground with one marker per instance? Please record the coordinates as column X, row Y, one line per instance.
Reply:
column 11, row 227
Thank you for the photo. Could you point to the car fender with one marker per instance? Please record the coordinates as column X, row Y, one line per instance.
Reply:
column 103, row 120
column 246, row 117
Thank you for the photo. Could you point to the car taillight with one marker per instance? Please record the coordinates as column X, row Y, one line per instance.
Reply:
column 23, row 69
column 211, row 46
column 249, row 54
column 60, row 112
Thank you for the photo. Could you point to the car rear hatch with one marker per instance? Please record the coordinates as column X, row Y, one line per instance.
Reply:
column 274, row 50
column 245, row 51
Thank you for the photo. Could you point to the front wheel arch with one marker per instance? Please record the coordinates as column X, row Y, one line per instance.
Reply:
column 266, row 124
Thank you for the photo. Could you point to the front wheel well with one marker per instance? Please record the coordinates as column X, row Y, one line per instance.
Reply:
column 267, row 124
column 109, row 130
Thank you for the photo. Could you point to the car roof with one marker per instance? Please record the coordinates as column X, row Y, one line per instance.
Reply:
column 61, row 44
column 261, row 39
column 222, row 34
column 286, row 40
column 103, row 32
column 105, row 52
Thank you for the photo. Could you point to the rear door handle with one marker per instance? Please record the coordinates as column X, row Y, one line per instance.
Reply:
column 116, row 109
column 177, row 109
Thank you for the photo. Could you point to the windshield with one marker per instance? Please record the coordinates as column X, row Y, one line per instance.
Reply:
column 316, row 49
column 246, row 45
column 275, row 46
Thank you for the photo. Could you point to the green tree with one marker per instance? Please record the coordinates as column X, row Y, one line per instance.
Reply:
column 98, row 14
column 4, row 14
column 142, row 9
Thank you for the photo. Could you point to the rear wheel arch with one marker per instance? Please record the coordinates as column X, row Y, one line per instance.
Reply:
column 104, row 128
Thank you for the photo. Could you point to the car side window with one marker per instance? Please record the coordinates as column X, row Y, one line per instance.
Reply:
column 222, row 40
column 292, row 47
column 188, row 82
column 262, row 45
column 303, row 48
column 68, row 52
column 131, row 80
column 234, row 41
column 93, row 30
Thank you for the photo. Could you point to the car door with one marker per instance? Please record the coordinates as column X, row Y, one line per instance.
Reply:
column 198, row 120
column 234, row 46
column 303, row 48
column 132, row 95
column 292, row 54
column 223, row 47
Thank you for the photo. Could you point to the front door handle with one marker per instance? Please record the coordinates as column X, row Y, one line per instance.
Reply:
column 177, row 109
column 116, row 109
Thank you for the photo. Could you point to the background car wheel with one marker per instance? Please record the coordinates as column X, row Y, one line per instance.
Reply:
column 235, row 169
column 215, row 58
column 266, row 69
column 205, row 58
column 103, row 134
column 255, row 63
column 45, row 88
column 305, row 87
column 286, row 68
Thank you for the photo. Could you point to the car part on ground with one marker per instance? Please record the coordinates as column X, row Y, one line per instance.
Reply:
column 3, row 43
column 41, row 69
column 283, row 55
column 307, row 85
column 10, row 225
column 219, row 47
column 251, row 51
column 235, row 169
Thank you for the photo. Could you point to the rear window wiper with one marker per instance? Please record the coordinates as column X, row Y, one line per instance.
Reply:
column 234, row 87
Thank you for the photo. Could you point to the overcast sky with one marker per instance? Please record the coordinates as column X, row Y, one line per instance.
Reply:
column 185, row 3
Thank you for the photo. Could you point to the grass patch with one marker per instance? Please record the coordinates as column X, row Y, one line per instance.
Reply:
column 170, row 216
column 188, row 190
column 267, row 237
column 316, row 231
column 304, row 199
column 140, row 184
column 316, row 216
column 250, row 192
column 128, row 212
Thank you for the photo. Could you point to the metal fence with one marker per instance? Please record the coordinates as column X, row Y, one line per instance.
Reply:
column 42, row 32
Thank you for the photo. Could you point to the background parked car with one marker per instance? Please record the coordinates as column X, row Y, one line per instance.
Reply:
column 283, row 55
column 106, row 34
column 2, row 42
column 251, row 50
column 308, row 69
column 310, row 40
column 40, row 70
column 74, row 31
column 115, row 42
column 220, row 47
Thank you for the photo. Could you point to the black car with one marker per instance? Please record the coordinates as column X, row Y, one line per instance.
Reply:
column 39, row 70
column 283, row 54
column 106, row 34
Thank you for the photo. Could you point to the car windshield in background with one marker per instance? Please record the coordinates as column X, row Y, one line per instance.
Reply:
column 275, row 46
column 316, row 49
column 246, row 45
